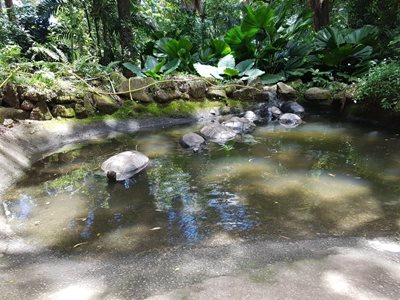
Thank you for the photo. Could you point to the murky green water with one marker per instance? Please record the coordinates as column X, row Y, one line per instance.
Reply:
column 320, row 179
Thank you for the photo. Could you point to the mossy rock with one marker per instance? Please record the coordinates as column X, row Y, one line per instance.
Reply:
column 41, row 112
column 105, row 103
column 250, row 94
column 137, row 83
column 317, row 94
column 216, row 92
column 63, row 111
column 84, row 109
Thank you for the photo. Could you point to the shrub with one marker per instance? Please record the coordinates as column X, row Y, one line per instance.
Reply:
column 381, row 86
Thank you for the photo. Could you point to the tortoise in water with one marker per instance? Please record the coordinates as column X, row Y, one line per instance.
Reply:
column 289, row 120
column 124, row 165
column 240, row 125
column 192, row 140
column 217, row 132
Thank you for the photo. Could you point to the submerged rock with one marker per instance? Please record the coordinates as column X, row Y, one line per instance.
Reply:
column 192, row 140
column 250, row 115
column 124, row 165
column 289, row 120
column 217, row 133
column 239, row 125
column 293, row 107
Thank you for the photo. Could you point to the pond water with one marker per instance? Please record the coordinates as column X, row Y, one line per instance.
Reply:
column 324, row 178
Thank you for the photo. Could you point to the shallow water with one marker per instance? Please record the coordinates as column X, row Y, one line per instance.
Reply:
column 321, row 179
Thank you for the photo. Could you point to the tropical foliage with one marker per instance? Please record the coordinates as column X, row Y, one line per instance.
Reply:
column 273, row 40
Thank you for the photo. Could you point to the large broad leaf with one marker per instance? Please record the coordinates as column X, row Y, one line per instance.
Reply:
column 227, row 62
column 245, row 65
column 207, row 71
column 151, row 63
column 329, row 38
column 272, row 78
column 134, row 69
column 171, row 66
column 173, row 48
column 220, row 48
column 240, row 42
column 260, row 19
column 161, row 45
column 366, row 35
column 252, row 73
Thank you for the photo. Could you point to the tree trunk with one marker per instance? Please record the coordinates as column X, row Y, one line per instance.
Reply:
column 10, row 11
column 125, row 32
column 321, row 9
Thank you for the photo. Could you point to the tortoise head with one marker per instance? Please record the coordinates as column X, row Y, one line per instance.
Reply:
column 112, row 176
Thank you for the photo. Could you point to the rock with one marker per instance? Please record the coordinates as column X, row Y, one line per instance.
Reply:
column 36, row 95
column 285, row 92
column 12, row 113
column 65, row 99
column 250, row 94
column 217, row 133
column 293, row 107
column 229, row 90
column 216, row 92
column 192, row 140
column 239, row 125
column 8, row 123
column 84, row 109
column 194, row 87
column 250, row 115
column 166, row 92
column 289, row 120
column 27, row 105
column 163, row 96
column 41, row 112
column 62, row 111
column 105, row 103
column 271, row 88
column 10, row 97
column 317, row 94
column 275, row 111
column 137, row 83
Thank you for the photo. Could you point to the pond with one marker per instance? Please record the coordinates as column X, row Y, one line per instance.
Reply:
column 324, row 178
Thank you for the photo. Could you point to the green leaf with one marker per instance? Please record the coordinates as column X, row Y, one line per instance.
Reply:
column 220, row 48
column 245, row 65
column 134, row 69
column 231, row 72
column 171, row 66
column 272, row 78
column 259, row 19
column 151, row 63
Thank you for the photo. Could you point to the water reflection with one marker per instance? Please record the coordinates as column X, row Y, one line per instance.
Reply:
column 320, row 179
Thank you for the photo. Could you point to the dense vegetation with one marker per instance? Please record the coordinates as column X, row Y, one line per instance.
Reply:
column 58, row 43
